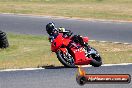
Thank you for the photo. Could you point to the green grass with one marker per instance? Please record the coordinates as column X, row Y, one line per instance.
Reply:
column 95, row 9
column 34, row 51
column 27, row 51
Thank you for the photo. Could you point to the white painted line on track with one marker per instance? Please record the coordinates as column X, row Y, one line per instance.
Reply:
column 127, row 44
column 117, row 42
column 24, row 69
column 109, row 64
column 92, row 40
column 32, row 69
column 103, row 41
column 110, row 42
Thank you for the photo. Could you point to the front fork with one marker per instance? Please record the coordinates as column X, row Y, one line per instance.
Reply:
column 66, row 55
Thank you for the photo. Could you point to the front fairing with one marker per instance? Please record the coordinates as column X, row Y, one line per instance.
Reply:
column 58, row 42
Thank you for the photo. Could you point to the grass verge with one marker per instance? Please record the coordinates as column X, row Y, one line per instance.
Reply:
column 34, row 51
column 97, row 9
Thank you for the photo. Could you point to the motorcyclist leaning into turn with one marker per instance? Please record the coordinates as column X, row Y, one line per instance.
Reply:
column 53, row 32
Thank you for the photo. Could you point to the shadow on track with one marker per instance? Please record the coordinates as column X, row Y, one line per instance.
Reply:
column 54, row 67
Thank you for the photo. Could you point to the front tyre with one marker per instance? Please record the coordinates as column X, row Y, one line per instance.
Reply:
column 66, row 59
column 96, row 58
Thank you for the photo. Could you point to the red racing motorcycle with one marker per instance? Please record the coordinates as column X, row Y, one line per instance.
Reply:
column 71, row 53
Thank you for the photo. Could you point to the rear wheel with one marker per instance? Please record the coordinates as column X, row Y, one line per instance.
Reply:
column 66, row 59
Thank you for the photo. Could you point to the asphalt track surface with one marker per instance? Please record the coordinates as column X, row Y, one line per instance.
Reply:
column 60, row 77
column 95, row 30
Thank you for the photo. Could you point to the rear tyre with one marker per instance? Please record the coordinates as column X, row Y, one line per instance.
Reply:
column 3, row 40
column 65, row 60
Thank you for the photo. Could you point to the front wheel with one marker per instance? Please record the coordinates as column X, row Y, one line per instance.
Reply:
column 66, row 59
column 96, row 58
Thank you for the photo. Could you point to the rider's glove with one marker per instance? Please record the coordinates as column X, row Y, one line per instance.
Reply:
column 69, row 33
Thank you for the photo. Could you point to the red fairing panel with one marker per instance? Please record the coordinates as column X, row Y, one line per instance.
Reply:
column 79, row 56
column 58, row 42
column 66, row 41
